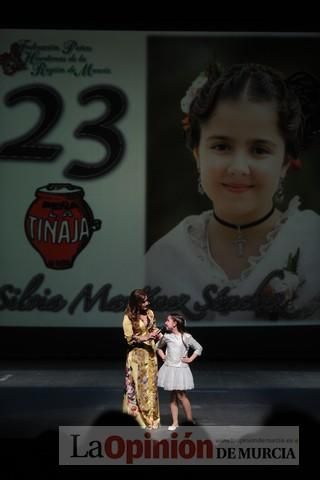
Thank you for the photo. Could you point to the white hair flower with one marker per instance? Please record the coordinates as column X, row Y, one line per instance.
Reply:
column 193, row 91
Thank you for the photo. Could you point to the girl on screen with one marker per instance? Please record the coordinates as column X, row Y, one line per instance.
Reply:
column 248, row 257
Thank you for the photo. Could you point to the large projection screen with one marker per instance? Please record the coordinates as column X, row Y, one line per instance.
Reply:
column 95, row 170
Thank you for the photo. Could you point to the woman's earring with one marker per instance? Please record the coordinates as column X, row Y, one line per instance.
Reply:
column 279, row 194
column 200, row 187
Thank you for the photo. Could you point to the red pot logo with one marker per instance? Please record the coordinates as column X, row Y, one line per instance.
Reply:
column 59, row 224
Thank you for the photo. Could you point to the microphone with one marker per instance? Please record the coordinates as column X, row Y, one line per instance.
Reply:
column 162, row 330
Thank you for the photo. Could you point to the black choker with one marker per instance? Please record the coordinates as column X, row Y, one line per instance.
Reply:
column 240, row 241
column 246, row 225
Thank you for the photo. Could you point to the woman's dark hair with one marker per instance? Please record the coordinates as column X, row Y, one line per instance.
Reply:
column 181, row 325
column 297, row 101
column 136, row 298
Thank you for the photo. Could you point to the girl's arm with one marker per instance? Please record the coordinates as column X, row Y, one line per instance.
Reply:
column 161, row 354
column 162, row 342
column 197, row 350
column 195, row 345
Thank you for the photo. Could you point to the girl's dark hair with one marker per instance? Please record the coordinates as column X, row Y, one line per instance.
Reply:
column 136, row 298
column 297, row 100
column 181, row 325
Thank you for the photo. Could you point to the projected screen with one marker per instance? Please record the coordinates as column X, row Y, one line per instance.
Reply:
column 143, row 159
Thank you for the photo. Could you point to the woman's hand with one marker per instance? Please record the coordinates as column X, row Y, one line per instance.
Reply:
column 144, row 338
column 155, row 334
column 140, row 338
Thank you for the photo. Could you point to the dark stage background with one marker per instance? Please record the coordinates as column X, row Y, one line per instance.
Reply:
column 225, row 343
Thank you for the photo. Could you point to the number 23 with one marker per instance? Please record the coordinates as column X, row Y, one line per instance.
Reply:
column 28, row 146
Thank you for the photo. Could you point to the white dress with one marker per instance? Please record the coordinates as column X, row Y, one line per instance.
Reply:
column 184, row 277
column 175, row 374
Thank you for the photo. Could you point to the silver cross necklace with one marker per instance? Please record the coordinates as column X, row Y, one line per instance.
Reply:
column 240, row 241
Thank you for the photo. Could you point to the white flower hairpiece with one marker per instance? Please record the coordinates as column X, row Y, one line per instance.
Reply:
column 192, row 92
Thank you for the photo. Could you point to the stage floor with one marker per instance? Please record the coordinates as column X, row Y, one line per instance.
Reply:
column 36, row 396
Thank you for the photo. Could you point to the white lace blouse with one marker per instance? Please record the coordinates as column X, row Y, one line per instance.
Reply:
column 177, row 348
column 181, row 266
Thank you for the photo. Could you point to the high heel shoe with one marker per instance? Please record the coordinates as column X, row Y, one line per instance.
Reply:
column 172, row 428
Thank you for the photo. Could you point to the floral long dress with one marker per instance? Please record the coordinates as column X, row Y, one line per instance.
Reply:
column 141, row 393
